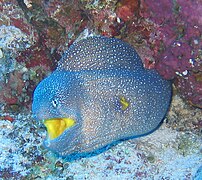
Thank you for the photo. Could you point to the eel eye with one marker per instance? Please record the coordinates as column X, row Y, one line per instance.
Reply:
column 54, row 103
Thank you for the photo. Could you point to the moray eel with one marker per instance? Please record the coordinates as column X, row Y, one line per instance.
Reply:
column 99, row 94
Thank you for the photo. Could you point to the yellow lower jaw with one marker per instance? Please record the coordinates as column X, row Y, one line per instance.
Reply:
column 57, row 126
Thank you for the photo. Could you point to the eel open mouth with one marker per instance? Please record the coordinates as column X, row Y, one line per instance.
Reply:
column 56, row 126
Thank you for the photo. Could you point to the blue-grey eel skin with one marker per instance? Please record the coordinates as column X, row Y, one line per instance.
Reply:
column 99, row 94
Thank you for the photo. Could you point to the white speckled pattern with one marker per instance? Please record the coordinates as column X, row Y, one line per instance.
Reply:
column 90, row 79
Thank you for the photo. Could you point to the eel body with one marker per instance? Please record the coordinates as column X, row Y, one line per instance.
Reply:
column 99, row 94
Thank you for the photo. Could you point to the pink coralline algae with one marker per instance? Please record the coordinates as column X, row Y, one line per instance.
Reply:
column 178, row 40
column 127, row 9
column 63, row 21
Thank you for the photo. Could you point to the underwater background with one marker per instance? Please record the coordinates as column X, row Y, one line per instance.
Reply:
column 167, row 35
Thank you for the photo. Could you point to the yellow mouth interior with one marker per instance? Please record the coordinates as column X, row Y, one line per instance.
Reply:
column 57, row 126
